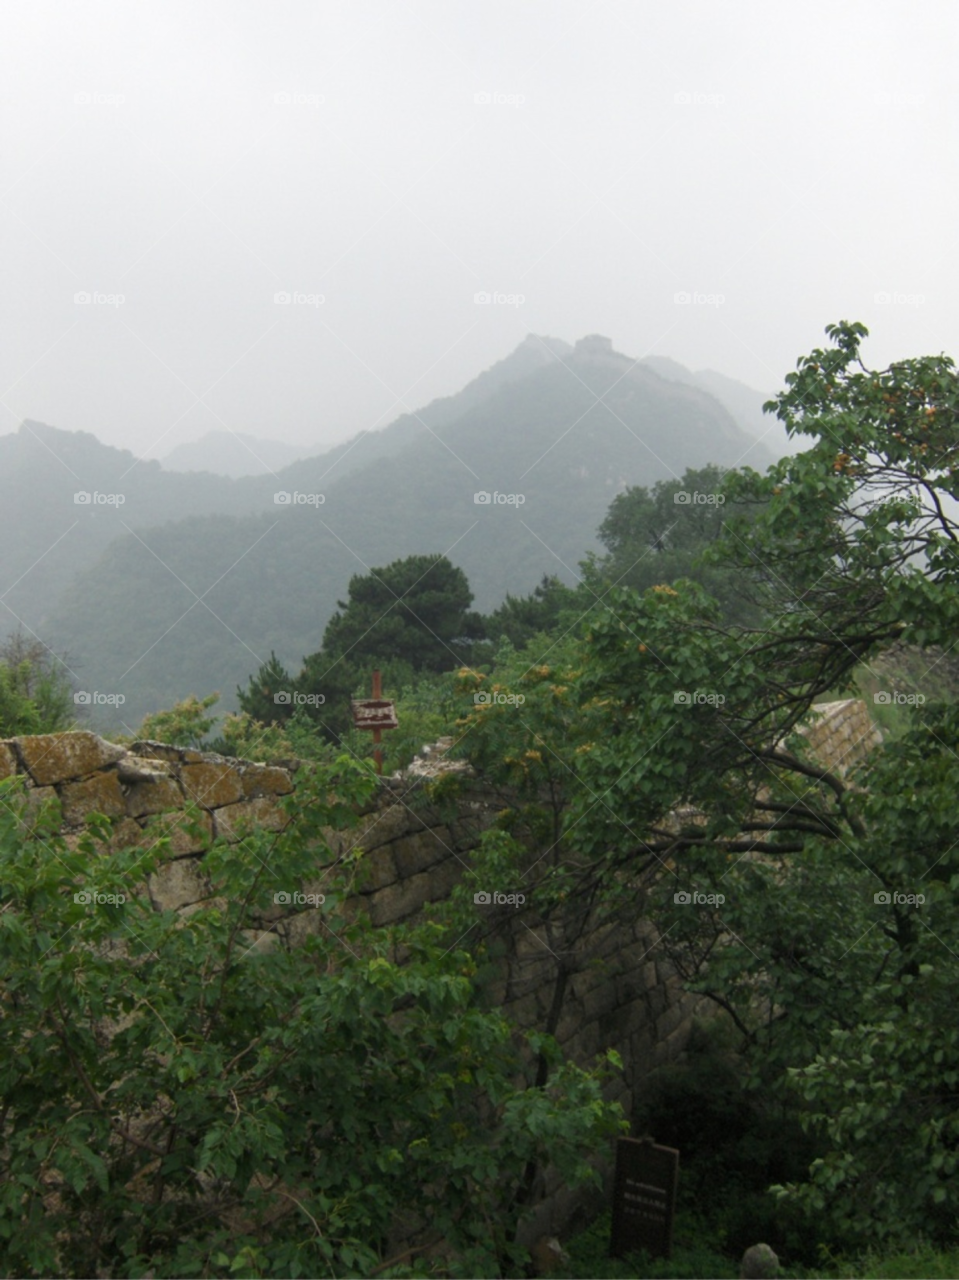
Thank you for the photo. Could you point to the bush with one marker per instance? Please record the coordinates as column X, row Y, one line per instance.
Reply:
column 176, row 1101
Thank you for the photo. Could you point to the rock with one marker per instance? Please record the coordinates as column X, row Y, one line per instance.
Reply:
column 99, row 794
column 759, row 1263
column 155, row 795
column 211, row 785
column 142, row 769
column 548, row 1255
column 59, row 757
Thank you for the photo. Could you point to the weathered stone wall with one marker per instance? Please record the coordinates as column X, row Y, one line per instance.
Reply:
column 615, row 989
column 842, row 735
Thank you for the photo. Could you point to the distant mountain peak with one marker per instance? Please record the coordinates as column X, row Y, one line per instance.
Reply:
column 594, row 344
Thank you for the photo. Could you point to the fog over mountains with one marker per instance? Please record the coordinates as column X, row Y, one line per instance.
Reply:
column 159, row 583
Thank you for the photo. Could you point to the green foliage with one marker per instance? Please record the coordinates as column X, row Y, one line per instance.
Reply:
column 408, row 619
column 659, row 536
column 176, row 1101
column 35, row 691
column 184, row 725
column 682, row 774
column 259, row 699
column 550, row 608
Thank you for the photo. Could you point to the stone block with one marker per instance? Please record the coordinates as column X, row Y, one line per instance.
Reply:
column 99, row 794
column 400, row 900
column 135, row 769
column 265, row 780
column 176, row 826
column 178, row 884
column 211, row 785
column 233, row 820
column 156, row 795
column 60, row 757
column 34, row 800
column 420, row 850
column 163, row 751
column 8, row 762
column 377, row 870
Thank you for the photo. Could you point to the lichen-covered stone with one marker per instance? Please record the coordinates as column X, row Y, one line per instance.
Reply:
column 234, row 820
column 178, row 884
column 211, row 785
column 178, row 827
column 8, row 762
column 163, row 751
column 135, row 769
column 265, row 780
column 99, row 794
column 157, row 795
column 60, row 757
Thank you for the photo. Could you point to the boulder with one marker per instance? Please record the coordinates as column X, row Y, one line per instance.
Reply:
column 759, row 1263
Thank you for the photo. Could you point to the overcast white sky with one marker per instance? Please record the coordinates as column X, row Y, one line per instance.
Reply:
column 395, row 158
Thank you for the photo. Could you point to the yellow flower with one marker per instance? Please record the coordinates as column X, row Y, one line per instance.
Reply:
column 533, row 755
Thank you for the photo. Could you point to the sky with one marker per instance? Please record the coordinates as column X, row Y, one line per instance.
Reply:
column 299, row 220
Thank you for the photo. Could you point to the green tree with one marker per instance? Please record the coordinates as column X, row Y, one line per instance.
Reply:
column 550, row 607
column 36, row 695
column 659, row 535
column 259, row 700
column 691, row 779
column 409, row 619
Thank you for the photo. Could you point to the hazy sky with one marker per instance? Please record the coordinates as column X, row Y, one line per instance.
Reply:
column 783, row 165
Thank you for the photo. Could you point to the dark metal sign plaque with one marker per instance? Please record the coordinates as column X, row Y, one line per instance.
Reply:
column 644, row 1198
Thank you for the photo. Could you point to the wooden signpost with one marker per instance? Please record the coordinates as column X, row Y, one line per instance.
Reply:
column 644, row 1198
column 376, row 713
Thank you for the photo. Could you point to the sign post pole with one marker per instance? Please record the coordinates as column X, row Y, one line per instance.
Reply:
column 377, row 731
column 376, row 713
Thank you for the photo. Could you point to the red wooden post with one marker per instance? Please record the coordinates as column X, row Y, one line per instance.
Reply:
column 377, row 732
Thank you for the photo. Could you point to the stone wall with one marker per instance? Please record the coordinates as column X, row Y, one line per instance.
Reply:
column 606, row 979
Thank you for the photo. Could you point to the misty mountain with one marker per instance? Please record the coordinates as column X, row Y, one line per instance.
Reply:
column 230, row 453
column 510, row 482
column 745, row 404
column 49, row 539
